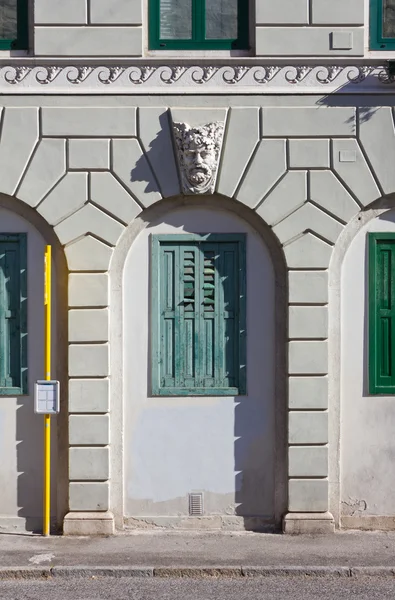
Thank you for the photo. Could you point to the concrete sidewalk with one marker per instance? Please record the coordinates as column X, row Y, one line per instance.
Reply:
column 160, row 553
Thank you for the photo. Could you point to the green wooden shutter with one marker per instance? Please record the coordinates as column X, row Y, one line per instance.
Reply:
column 209, row 315
column 198, row 315
column 168, row 319
column 381, row 313
column 13, row 300
column 188, row 350
column 220, row 315
column 229, row 316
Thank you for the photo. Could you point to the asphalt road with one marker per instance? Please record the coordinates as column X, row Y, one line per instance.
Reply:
column 267, row 588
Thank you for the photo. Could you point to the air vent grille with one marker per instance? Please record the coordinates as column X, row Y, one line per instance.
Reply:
column 195, row 504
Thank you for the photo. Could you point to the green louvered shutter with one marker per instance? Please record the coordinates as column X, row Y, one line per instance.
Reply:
column 187, row 350
column 198, row 308
column 169, row 264
column 382, row 313
column 220, row 313
column 13, row 300
column 209, row 310
column 229, row 315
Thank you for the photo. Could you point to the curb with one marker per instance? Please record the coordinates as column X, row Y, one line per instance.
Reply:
column 45, row 573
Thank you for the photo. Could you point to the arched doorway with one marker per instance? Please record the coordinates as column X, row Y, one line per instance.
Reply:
column 367, row 416
column 217, row 457
column 23, row 236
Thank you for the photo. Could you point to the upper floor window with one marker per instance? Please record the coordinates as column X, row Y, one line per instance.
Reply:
column 198, row 24
column 382, row 24
column 13, row 24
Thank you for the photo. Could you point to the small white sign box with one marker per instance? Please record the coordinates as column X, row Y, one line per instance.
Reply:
column 46, row 397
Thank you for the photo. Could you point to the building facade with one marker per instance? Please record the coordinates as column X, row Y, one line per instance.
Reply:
column 217, row 182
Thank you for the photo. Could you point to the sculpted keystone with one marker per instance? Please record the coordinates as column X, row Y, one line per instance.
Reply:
column 199, row 150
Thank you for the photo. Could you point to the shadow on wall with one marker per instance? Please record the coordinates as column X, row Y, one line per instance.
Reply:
column 22, row 431
column 29, row 446
column 230, row 448
column 346, row 96
column 155, row 158
column 30, row 464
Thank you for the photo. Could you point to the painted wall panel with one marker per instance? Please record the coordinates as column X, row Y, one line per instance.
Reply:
column 367, row 422
column 21, row 464
column 309, row 41
column 171, row 443
column 89, row 41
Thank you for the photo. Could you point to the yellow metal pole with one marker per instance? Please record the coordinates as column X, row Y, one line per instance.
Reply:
column 47, row 371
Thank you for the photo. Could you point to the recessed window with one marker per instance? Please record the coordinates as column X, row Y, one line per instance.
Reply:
column 198, row 327
column 382, row 313
column 198, row 24
column 13, row 25
column 382, row 24
column 13, row 315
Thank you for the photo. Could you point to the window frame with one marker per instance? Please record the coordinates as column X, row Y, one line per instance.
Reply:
column 374, row 353
column 22, row 389
column 376, row 39
column 198, row 41
column 21, row 42
column 156, row 240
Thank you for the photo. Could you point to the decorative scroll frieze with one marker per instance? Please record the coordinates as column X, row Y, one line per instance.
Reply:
column 142, row 79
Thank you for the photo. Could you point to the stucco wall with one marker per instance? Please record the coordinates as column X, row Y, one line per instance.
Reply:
column 21, row 431
column 367, row 422
column 94, row 167
column 223, row 447
column 119, row 28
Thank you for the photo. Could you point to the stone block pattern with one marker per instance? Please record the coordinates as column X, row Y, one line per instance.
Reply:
column 305, row 12
column 308, row 41
column 337, row 12
column 91, row 173
column 307, row 203
column 285, row 12
column 53, row 12
column 110, row 28
column 88, row 28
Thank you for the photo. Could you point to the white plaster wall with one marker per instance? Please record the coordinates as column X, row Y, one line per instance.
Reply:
column 221, row 446
column 367, row 422
column 21, row 431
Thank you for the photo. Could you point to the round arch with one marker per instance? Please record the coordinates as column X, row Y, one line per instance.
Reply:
column 155, row 213
column 339, row 255
column 17, row 217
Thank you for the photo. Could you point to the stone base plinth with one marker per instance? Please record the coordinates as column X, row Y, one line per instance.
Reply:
column 89, row 523
column 368, row 522
column 201, row 523
column 299, row 523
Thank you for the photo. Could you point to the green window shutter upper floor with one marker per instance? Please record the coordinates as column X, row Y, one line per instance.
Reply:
column 198, row 316
column 382, row 24
column 198, row 24
column 13, row 314
column 382, row 313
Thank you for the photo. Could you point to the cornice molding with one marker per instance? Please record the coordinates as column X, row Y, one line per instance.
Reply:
column 185, row 79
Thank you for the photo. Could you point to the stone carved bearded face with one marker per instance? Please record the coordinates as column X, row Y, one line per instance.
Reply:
column 198, row 154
